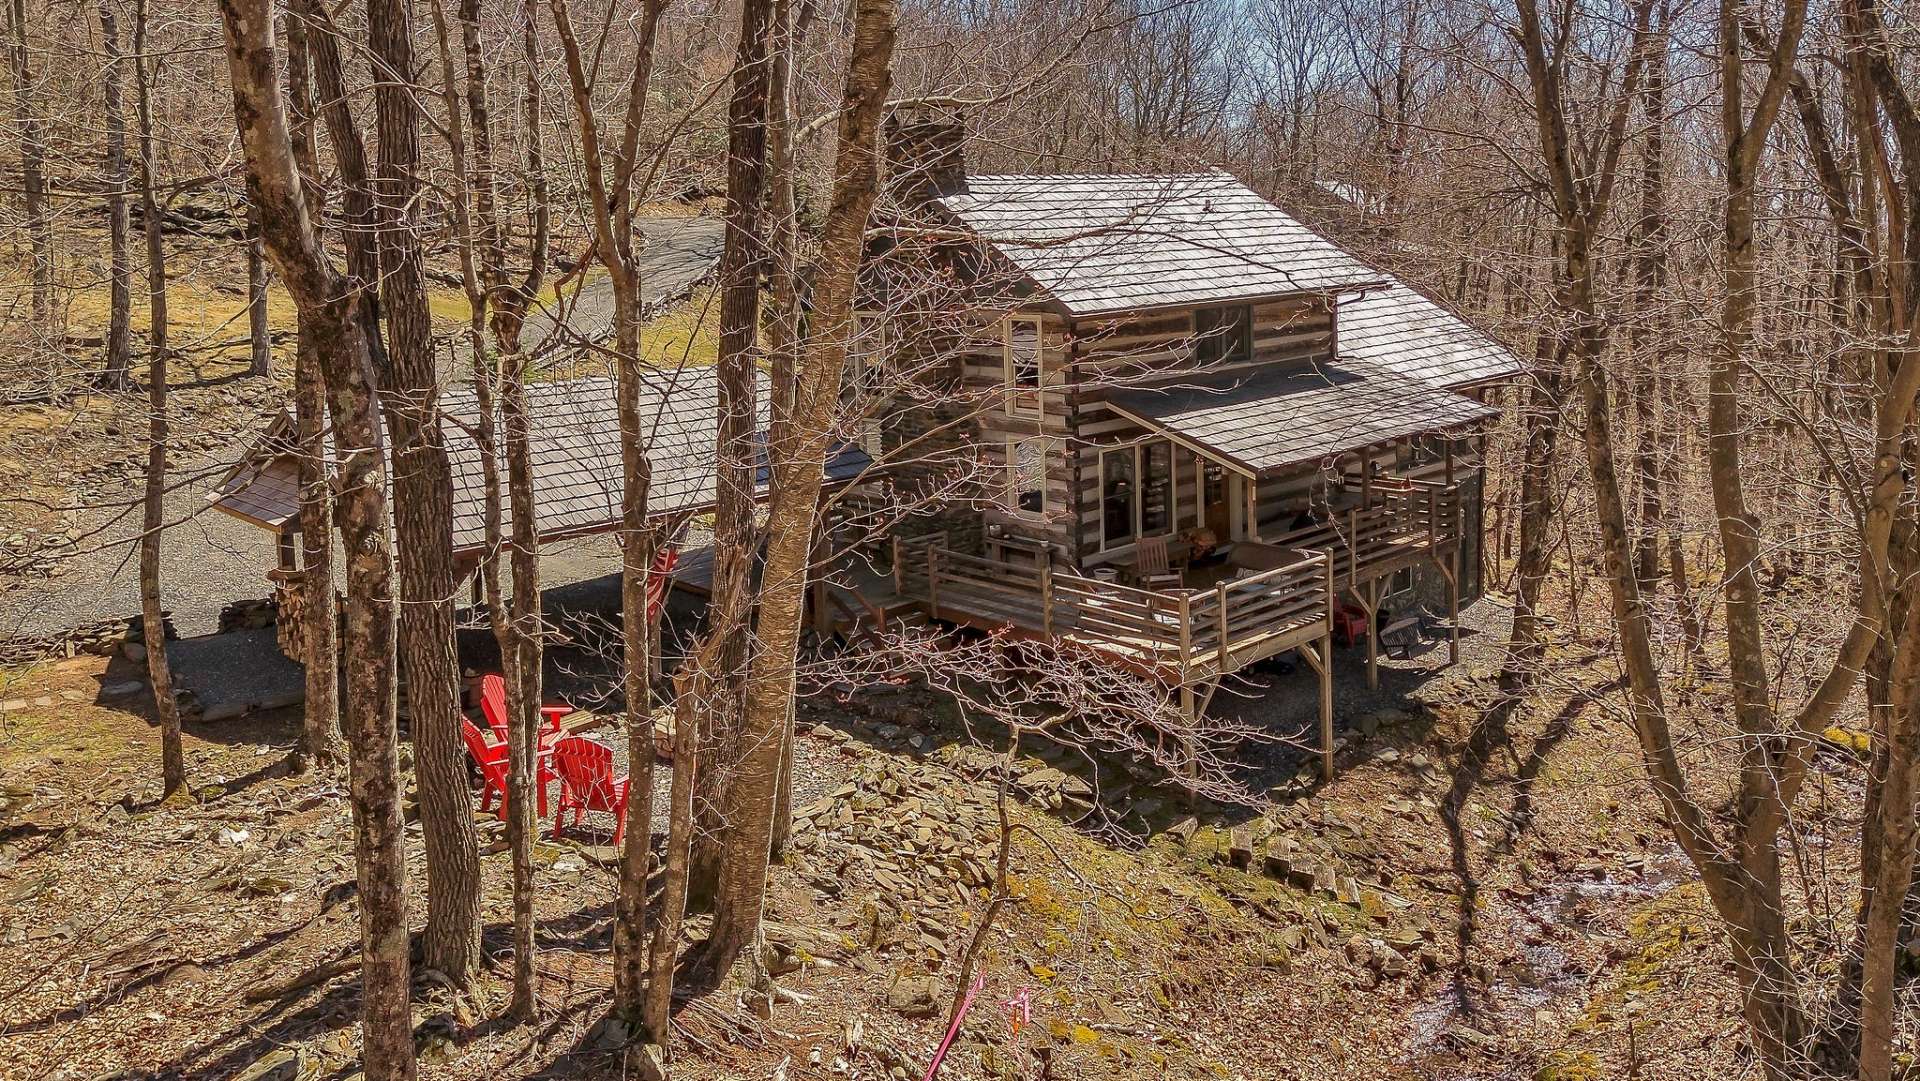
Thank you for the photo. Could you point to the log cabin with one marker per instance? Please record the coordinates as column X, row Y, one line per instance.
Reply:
column 1197, row 434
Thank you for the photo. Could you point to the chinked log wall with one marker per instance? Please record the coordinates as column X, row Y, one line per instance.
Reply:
column 1145, row 350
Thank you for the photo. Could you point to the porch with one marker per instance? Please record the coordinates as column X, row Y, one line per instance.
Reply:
column 1188, row 639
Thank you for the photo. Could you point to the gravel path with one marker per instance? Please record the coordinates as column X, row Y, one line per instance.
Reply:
column 211, row 559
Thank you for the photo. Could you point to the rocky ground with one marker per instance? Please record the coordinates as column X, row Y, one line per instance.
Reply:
column 1430, row 913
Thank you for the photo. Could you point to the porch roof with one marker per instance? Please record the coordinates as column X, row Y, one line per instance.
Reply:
column 577, row 473
column 1270, row 421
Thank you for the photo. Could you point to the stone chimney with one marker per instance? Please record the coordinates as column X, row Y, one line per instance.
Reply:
column 926, row 154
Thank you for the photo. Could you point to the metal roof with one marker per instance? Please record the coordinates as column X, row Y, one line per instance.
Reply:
column 575, row 435
column 1400, row 329
column 1273, row 420
column 1108, row 243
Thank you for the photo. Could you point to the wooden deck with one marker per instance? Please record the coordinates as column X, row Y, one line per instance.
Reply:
column 1187, row 639
column 1177, row 636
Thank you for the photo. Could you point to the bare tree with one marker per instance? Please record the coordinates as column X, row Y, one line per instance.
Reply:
column 321, row 712
column 119, row 357
column 796, row 461
column 338, row 328
column 612, row 174
column 723, row 657
column 33, row 167
column 166, row 709
column 423, row 510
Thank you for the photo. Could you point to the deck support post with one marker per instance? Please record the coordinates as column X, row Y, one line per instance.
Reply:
column 1453, row 604
column 933, row 581
column 1326, row 680
column 1045, row 559
column 817, row 582
column 1369, row 598
column 1189, row 742
column 1319, row 656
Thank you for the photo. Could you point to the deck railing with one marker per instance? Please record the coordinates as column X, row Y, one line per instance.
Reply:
column 1399, row 521
column 1181, row 634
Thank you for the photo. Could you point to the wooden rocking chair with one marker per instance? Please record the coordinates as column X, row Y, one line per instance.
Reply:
column 1152, row 566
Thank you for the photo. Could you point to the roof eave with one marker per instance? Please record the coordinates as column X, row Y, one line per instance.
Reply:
column 1256, row 298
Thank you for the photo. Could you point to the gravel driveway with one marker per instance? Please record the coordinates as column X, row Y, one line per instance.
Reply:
column 211, row 559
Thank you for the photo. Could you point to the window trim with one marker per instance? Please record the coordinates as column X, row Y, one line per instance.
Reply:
column 1022, row 402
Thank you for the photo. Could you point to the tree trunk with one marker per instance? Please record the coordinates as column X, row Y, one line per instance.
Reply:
column 678, row 858
column 741, row 262
column 119, row 359
column 321, row 715
column 33, row 172
column 610, row 187
column 173, row 767
column 636, row 556
column 1648, row 341
column 524, row 701
column 259, row 339
column 796, row 464
column 423, row 513
column 338, row 327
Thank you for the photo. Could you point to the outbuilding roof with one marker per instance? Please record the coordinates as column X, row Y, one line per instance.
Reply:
column 1274, row 420
column 578, row 479
column 1101, row 244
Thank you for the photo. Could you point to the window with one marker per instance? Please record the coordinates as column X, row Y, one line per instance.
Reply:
column 863, row 378
column 1156, row 488
column 1138, row 492
column 1116, row 497
column 1223, row 335
column 1023, row 365
column 1027, row 476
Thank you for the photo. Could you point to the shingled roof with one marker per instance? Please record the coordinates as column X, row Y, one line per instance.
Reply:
column 1108, row 243
column 1398, row 328
column 1273, row 420
column 578, row 481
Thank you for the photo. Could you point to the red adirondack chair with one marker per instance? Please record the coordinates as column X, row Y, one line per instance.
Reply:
column 587, row 784
column 493, row 704
column 492, row 759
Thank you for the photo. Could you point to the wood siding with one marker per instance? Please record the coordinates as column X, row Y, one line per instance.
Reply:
column 1158, row 350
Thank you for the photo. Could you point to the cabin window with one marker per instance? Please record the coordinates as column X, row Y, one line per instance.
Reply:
column 1023, row 365
column 1027, row 476
column 1223, row 335
column 1156, row 488
column 1116, row 497
column 1138, row 491
column 863, row 377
